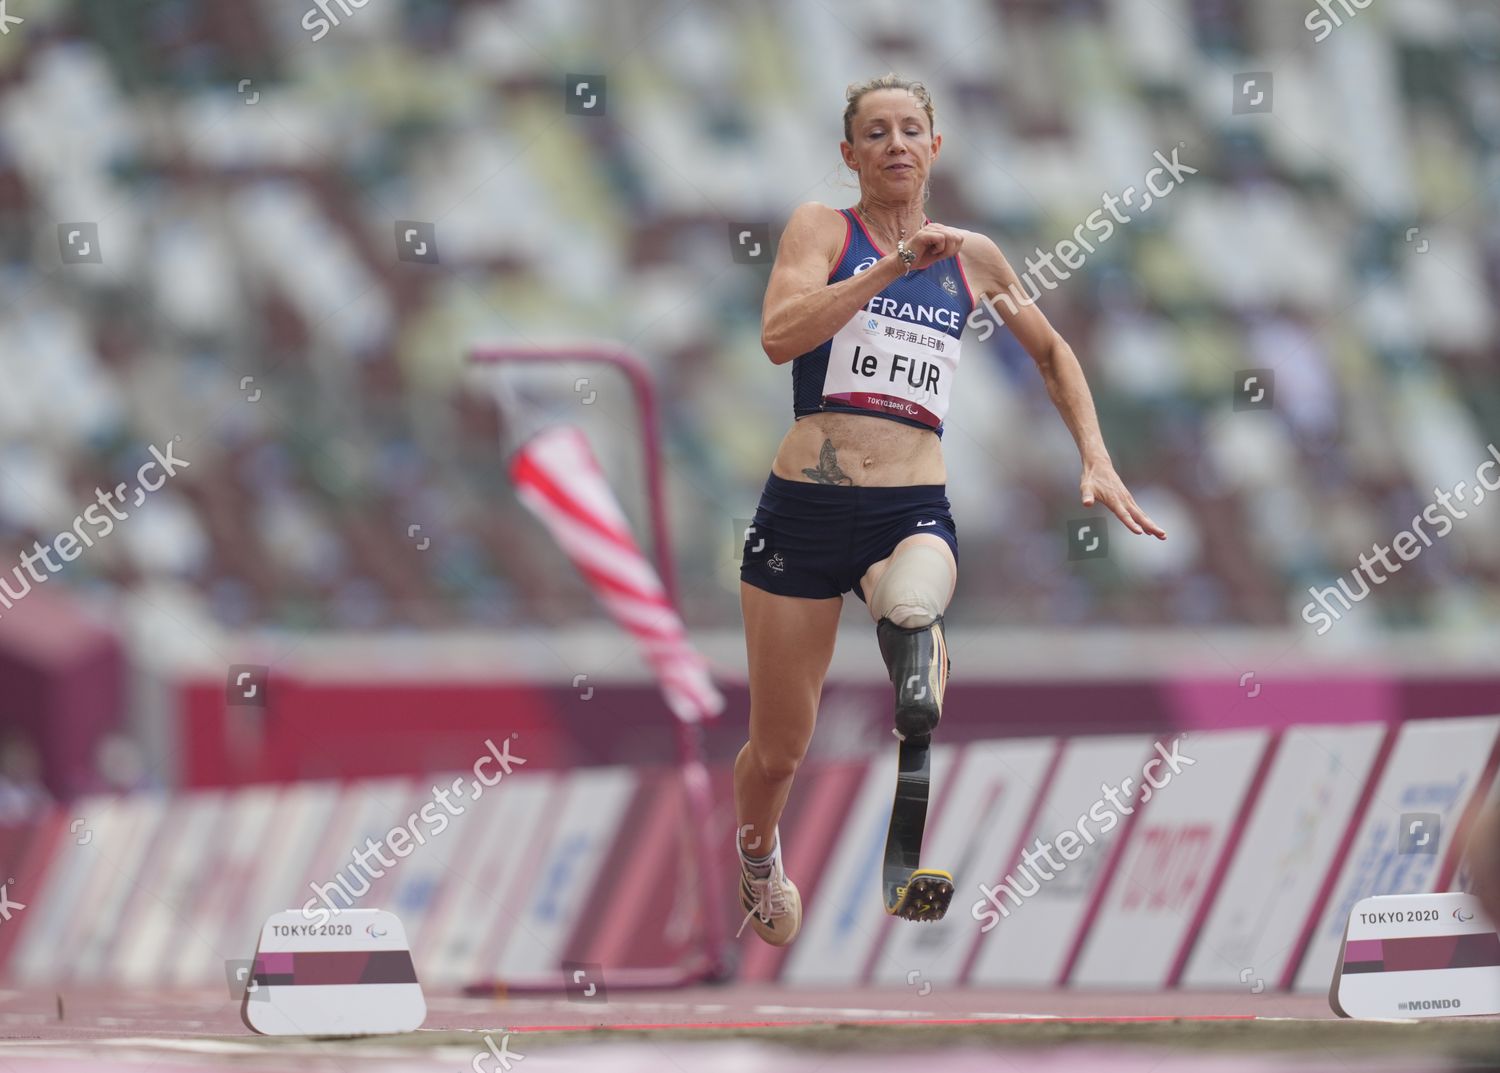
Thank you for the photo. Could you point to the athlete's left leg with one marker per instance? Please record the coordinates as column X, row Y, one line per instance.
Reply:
column 907, row 593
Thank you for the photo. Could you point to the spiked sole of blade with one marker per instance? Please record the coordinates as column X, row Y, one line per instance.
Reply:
column 925, row 897
column 912, row 892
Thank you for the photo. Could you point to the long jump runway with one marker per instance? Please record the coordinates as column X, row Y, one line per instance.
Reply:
column 733, row 1029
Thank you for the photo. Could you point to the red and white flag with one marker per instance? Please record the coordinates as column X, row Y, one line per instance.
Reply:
column 558, row 478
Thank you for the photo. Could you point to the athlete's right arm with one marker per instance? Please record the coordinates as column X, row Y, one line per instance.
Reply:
column 802, row 309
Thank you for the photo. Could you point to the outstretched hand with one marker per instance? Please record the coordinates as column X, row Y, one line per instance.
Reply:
column 1100, row 482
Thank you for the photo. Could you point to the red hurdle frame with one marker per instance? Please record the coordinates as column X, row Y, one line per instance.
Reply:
column 712, row 960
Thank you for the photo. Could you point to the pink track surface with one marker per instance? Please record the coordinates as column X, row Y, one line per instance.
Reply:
column 104, row 1014
column 201, row 1031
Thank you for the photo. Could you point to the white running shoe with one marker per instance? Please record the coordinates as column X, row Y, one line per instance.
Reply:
column 772, row 905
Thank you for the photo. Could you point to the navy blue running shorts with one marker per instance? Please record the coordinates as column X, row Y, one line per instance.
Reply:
column 817, row 540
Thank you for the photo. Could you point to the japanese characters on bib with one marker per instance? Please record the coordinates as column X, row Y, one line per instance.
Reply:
column 892, row 365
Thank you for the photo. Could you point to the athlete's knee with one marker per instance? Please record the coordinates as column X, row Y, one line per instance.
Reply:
column 914, row 589
column 912, row 616
column 778, row 760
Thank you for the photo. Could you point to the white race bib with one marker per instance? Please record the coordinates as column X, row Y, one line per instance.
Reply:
column 891, row 366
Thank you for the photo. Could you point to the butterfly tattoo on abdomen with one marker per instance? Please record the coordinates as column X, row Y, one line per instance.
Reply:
column 828, row 471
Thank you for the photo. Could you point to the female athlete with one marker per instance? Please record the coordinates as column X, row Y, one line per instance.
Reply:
column 869, row 304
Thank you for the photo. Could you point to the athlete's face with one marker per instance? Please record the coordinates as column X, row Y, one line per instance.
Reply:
column 893, row 147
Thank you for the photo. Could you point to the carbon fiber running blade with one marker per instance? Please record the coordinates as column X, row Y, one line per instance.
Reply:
column 912, row 892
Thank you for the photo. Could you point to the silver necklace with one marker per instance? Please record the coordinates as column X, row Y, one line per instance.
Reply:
column 900, row 228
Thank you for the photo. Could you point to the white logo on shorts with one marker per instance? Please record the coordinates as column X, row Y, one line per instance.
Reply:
column 775, row 563
column 931, row 521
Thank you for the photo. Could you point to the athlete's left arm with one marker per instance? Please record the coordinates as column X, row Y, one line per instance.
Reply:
column 992, row 278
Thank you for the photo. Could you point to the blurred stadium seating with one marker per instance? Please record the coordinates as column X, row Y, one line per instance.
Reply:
column 246, row 179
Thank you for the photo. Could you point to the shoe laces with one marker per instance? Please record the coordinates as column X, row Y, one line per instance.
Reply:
column 770, row 903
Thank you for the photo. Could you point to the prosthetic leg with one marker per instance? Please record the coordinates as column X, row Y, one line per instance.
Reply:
column 916, row 656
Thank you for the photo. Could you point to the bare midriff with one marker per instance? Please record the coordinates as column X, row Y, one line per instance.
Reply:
column 852, row 449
